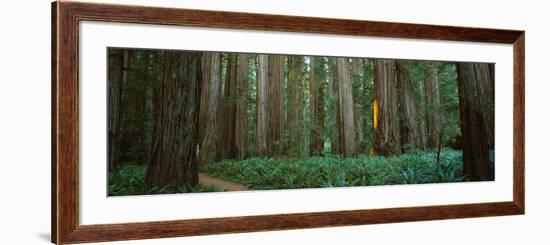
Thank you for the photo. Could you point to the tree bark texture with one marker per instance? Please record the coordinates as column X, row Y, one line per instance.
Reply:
column 386, row 131
column 316, row 108
column 205, row 93
column 208, row 153
column 486, row 73
column 410, row 127
column 334, row 107
column 295, row 88
column 229, row 106
column 241, row 116
column 116, row 61
column 173, row 160
column 472, row 78
column 275, row 108
column 347, row 135
column 261, row 106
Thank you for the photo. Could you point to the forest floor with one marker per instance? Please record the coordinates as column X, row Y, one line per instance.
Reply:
column 416, row 167
column 206, row 180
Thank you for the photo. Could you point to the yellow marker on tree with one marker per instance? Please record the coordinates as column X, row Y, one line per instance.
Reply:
column 375, row 122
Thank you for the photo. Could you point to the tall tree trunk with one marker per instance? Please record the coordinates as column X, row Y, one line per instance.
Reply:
column 261, row 106
column 473, row 103
column 241, row 116
column 205, row 93
column 411, row 130
column 357, row 107
column 433, row 108
column 227, row 123
column 117, row 59
column 295, row 88
column 275, row 100
column 345, row 89
column 173, row 161
column 334, row 108
column 386, row 128
column 209, row 151
column 158, row 77
column 486, row 73
column 316, row 108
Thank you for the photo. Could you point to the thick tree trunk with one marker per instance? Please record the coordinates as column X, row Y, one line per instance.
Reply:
column 486, row 73
column 386, row 128
column 261, row 106
column 116, row 67
column 334, row 108
column 227, row 123
column 241, row 116
column 158, row 77
column 316, row 108
column 411, row 130
column 433, row 110
column 275, row 100
column 173, row 160
column 209, row 151
column 347, row 135
column 474, row 109
column 205, row 93
column 295, row 87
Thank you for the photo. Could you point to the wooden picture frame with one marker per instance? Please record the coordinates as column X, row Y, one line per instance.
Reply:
column 65, row 121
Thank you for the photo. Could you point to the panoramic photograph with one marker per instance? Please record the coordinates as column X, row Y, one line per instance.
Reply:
column 203, row 121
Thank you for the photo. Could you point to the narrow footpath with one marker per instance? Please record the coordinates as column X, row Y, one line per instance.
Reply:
column 204, row 179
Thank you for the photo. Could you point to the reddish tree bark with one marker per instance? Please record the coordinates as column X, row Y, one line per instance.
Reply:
column 474, row 115
column 209, row 151
column 410, row 127
column 173, row 160
column 241, row 117
column 347, row 131
column 386, row 131
column 261, row 106
column 275, row 107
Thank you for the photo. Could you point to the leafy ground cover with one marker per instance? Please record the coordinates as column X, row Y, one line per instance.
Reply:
column 333, row 171
column 416, row 167
column 130, row 180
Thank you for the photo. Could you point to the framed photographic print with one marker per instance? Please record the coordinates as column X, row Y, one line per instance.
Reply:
column 173, row 122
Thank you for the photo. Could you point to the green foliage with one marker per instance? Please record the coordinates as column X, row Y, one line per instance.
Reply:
column 333, row 171
column 448, row 91
column 130, row 180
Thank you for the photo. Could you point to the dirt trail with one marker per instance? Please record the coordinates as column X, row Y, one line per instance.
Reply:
column 204, row 179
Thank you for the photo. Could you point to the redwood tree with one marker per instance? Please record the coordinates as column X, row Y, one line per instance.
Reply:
column 347, row 131
column 334, row 109
column 118, row 61
column 357, row 107
column 295, row 94
column 205, row 65
column 228, row 109
column 275, row 104
column 241, row 116
column 173, row 161
column 316, row 107
column 261, row 106
column 208, row 152
column 410, row 127
column 474, row 106
column 386, row 126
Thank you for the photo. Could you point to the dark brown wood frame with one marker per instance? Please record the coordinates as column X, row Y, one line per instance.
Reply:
column 65, row 136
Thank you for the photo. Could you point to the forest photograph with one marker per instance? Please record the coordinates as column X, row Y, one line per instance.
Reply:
column 204, row 121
